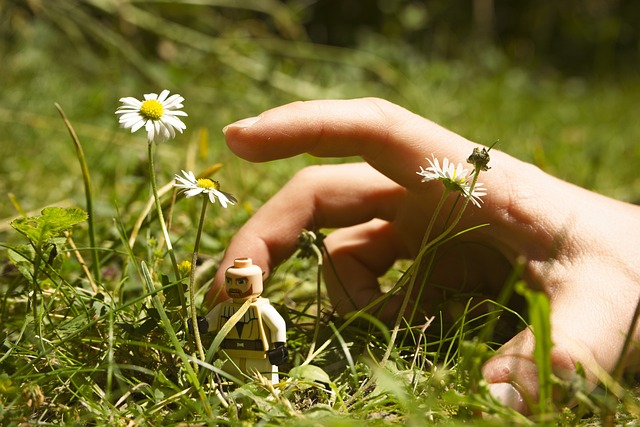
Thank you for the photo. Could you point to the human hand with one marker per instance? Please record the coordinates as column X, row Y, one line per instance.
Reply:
column 579, row 247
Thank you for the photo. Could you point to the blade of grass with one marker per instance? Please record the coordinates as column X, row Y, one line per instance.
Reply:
column 347, row 354
column 88, row 192
column 168, row 327
column 539, row 317
column 619, row 368
column 226, row 328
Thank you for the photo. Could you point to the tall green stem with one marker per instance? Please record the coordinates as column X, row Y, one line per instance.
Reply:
column 192, row 281
column 414, row 275
column 423, row 249
column 163, row 225
column 37, row 291
column 316, row 328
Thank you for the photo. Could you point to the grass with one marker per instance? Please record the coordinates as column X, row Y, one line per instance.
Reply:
column 78, row 350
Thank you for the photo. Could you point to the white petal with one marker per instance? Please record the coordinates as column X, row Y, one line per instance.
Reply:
column 127, row 110
column 137, row 125
column 174, row 122
column 222, row 197
column 174, row 101
column 183, row 183
column 159, row 136
column 129, row 115
column 434, row 164
column 168, row 128
column 185, row 180
column 163, row 96
column 130, row 102
column 194, row 192
column 150, row 127
column 167, row 132
column 212, row 197
column 175, row 113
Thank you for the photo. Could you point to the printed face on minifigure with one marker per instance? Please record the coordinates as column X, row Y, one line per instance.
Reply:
column 243, row 280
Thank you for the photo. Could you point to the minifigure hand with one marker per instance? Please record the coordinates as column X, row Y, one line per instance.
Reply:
column 203, row 325
column 279, row 354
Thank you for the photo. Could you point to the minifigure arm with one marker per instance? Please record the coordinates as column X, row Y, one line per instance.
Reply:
column 208, row 323
column 275, row 322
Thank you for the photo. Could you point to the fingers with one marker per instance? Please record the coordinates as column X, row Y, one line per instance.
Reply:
column 397, row 142
column 522, row 203
column 392, row 139
column 317, row 197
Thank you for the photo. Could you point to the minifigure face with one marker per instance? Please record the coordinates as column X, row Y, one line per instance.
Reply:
column 238, row 287
column 243, row 280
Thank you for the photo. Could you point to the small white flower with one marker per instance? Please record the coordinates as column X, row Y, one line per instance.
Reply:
column 476, row 194
column 193, row 186
column 454, row 178
column 157, row 113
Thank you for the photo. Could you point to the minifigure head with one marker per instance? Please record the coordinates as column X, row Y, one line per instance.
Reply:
column 243, row 280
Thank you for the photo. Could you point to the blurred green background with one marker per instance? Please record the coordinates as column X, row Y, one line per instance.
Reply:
column 556, row 83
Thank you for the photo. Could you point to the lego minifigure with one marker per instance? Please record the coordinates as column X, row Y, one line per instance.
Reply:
column 257, row 341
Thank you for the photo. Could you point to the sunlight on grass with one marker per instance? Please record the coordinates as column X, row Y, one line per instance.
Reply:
column 93, row 313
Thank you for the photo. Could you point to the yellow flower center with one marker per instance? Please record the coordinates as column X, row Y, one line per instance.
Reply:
column 151, row 109
column 208, row 184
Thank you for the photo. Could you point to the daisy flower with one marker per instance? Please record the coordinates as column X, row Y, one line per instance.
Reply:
column 193, row 186
column 475, row 194
column 157, row 113
column 454, row 178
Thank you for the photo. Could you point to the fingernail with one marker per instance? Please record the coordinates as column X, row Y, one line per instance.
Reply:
column 506, row 394
column 242, row 124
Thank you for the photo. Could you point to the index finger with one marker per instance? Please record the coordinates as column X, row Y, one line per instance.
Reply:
column 317, row 197
column 390, row 138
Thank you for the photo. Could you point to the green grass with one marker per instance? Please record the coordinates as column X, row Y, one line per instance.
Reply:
column 75, row 352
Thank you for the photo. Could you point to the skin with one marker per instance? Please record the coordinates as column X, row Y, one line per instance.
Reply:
column 578, row 246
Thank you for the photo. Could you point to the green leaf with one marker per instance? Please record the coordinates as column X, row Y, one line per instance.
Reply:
column 22, row 257
column 310, row 373
column 52, row 223
column 393, row 383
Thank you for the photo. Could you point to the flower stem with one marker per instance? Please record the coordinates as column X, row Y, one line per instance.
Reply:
column 424, row 247
column 192, row 282
column 316, row 328
column 163, row 225
column 414, row 275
